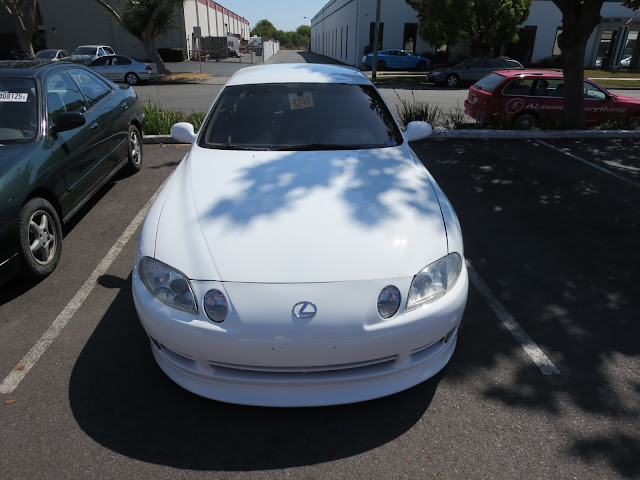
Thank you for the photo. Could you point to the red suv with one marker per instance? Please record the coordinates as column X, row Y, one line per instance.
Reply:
column 525, row 98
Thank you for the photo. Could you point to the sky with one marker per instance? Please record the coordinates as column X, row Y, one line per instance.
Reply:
column 285, row 15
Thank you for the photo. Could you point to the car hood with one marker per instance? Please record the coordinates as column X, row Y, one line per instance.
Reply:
column 286, row 217
column 9, row 152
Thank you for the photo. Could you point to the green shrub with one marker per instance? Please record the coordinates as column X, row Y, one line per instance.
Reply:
column 159, row 120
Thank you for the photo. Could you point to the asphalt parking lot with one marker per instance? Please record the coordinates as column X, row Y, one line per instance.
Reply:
column 551, row 231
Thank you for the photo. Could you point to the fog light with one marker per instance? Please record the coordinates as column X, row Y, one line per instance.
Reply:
column 388, row 301
column 215, row 305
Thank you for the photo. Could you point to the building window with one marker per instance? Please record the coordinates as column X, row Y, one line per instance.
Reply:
column 410, row 36
column 372, row 32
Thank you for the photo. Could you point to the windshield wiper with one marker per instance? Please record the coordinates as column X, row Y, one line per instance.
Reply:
column 320, row 146
column 230, row 146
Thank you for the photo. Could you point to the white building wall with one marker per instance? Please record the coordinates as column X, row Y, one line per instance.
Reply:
column 328, row 26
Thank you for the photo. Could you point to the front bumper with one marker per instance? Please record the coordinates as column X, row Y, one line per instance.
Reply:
column 263, row 355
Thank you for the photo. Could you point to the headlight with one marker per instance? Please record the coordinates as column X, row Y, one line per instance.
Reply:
column 167, row 284
column 434, row 281
column 388, row 301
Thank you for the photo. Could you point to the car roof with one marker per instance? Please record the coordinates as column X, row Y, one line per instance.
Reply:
column 31, row 68
column 529, row 73
column 298, row 73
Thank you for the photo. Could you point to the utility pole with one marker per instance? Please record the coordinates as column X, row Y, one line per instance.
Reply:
column 376, row 39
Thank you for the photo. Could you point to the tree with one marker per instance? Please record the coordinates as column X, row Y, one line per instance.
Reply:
column 265, row 29
column 578, row 21
column 146, row 20
column 23, row 16
column 482, row 23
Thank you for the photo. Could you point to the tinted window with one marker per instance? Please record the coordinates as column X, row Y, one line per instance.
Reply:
column 490, row 82
column 478, row 63
column 300, row 117
column 91, row 86
column 519, row 86
column 109, row 50
column 18, row 110
column 46, row 54
column 493, row 64
column 99, row 62
column 121, row 61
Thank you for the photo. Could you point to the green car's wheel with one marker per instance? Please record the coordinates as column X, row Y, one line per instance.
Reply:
column 40, row 238
column 135, row 150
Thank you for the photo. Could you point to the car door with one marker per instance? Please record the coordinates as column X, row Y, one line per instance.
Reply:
column 76, row 152
column 121, row 66
column 110, row 108
column 599, row 107
column 472, row 71
column 404, row 61
column 102, row 66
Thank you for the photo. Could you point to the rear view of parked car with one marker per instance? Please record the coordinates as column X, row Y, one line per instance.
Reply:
column 124, row 69
column 64, row 132
column 471, row 70
column 52, row 54
column 88, row 53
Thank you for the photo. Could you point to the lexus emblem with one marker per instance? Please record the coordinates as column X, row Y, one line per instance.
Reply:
column 304, row 310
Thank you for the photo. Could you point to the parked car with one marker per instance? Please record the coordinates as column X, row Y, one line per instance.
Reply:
column 65, row 131
column 88, row 53
column 52, row 54
column 471, row 70
column 524, row 99
column 397, row 59
column 124, row 69
column 13, row 54
column 311, row 261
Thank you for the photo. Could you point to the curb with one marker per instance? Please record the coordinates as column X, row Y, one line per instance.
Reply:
column 483, row 135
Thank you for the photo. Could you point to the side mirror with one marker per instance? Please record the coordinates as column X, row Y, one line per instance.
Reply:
column 183, row 132
column 66, row 121
column 417, row 131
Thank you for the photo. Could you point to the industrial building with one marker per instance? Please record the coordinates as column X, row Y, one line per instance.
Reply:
column 344, row 29
column 65, row 24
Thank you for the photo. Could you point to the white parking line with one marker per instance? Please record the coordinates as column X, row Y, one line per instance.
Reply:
column 591, row 164
column 20, row 371
column 537, row 355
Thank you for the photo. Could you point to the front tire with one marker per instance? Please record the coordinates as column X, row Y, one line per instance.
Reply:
column 452, row 81
column 132, row 79
column 40, row 238
column 134, row 163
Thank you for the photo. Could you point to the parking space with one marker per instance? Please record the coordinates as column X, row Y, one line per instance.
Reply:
column 552, row 239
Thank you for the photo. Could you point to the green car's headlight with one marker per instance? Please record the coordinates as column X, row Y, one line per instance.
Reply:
column 167, row 284
column 434, row 281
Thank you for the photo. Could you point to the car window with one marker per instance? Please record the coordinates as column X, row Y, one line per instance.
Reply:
column 100, row 62
column 46, row 54
column 555, row 87
column 64, row 54
column 109, row 50
column 403, row 54
column 477, row 63
column 91, row 86
column 121, row 61
column 492, row 64
column 101, row 52
column 304, row 116
column 592, row 92
column 63, row 95
column 490, row 82
column 84, row 51
column 519, row 86
column 18, row 110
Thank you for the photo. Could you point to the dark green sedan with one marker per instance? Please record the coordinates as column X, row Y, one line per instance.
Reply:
column 64, row 132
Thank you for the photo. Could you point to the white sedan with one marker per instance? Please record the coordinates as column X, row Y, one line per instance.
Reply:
column 300, row 254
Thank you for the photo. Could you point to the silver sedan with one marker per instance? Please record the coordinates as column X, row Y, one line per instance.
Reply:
column 124, row 69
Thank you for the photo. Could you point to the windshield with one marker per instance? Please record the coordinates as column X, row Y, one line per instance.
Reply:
column 489, row 83
column 305, row 116
column 46, row 54
column 18, row 110
column 84, row 51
